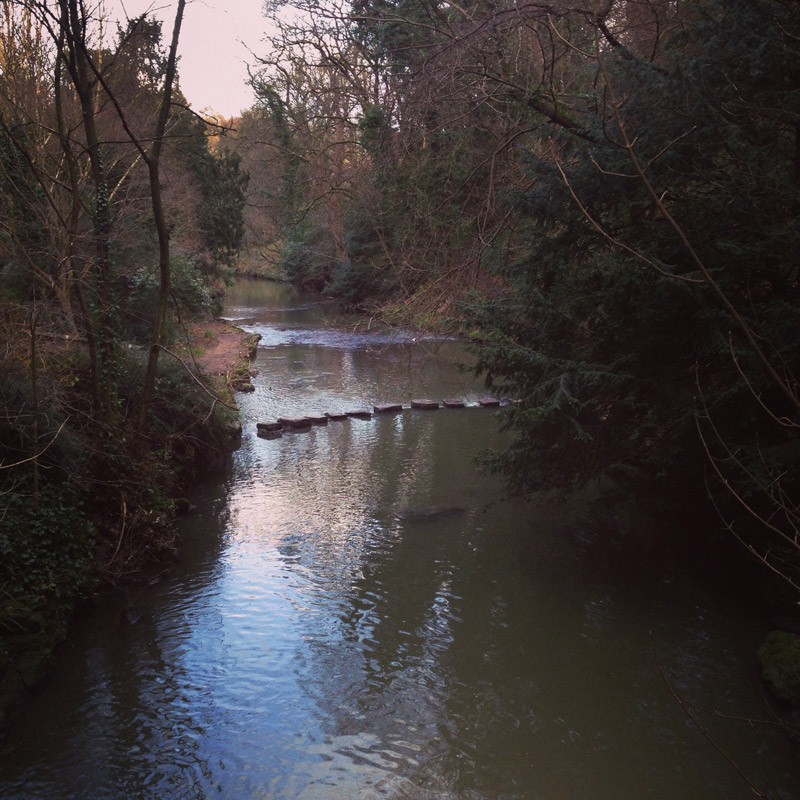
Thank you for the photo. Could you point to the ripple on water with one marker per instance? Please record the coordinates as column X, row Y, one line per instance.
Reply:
column 323, row 644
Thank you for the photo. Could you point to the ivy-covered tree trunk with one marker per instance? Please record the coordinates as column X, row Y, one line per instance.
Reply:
column 72, row 41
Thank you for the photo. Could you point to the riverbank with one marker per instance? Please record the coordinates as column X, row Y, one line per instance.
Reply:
column 223, row 352
column 70, row 543
column 322, row 616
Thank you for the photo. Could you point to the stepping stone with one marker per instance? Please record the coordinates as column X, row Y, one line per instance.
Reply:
column 269, row 426
column 425, row 405
column 453, row 403
column 318, row 419
column 489, row 402
column 263, row 433
column 336, row 415
column 360, row 413
column 390, row 408
column 295, row 423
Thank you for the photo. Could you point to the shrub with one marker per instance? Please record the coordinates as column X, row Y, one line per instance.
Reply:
column 779, row 657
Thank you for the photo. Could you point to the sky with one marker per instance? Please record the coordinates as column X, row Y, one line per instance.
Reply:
column 213, row 47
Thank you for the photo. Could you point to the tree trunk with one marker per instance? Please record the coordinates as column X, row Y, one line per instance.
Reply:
column 153, row 159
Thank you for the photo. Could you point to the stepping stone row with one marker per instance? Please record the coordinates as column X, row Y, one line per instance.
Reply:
column 274, row 430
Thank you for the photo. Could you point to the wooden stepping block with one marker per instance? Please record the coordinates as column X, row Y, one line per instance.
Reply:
column 389, row 408
column 317, row 419
column 360, row 413
column 453, row 403
column 295, row 423
column 489, row 402
column 269, row 426
column 425, row 405
column 336, row 415
column 263, row 433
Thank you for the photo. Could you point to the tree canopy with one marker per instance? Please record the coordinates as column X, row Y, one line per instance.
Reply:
column 610, row 192
column 118, row 219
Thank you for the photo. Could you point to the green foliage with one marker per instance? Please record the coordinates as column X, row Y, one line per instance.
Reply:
column 221, row 213
column 779, row 657
column 222, row 184
column 396, row 32
column 611, row 355
column 46, row 551
column 305, row 257
column 190, row 288
column 185, row 437
column 22, row 236
column 289, row 192
column 17, row 441
column 365, row 275
column 375, row 128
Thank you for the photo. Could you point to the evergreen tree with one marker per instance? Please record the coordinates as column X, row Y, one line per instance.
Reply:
column 658, row 297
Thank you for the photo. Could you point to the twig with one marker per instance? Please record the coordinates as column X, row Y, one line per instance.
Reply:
column 40, row 453
column 122, row 530
column 686, row 708
column 196, row 379
column 616, row 242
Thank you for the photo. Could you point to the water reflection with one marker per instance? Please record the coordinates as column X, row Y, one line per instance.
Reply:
column 328, row 636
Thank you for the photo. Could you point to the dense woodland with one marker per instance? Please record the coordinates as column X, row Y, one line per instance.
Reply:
column 121, row 211
column 601, row 195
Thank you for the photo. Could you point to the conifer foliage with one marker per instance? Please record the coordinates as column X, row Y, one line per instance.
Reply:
column 651, row 327
column 616, row 183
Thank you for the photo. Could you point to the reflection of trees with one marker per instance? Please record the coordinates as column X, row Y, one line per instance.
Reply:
column 127, row 717
column 389, row 583
column 517, row 673
column 566, row 700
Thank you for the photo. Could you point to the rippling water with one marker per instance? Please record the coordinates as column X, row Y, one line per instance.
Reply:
column 359, row 614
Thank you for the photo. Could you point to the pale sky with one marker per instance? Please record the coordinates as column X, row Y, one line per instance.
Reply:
column 213, row 49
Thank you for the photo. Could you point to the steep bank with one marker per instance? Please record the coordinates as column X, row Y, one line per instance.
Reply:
column 64, row 545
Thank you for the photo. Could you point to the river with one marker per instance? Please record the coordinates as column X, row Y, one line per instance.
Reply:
column 325, row 636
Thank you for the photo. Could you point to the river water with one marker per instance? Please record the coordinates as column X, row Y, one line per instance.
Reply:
column 359, row 613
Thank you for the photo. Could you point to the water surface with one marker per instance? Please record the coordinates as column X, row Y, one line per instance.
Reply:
column 325, row 636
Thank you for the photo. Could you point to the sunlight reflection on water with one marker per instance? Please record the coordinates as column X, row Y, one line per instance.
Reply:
column 359, row 614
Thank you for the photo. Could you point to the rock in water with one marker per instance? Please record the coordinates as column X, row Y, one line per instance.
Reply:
column 269, row 426
column 388, row 408
column 295, row 423
column 425, row 405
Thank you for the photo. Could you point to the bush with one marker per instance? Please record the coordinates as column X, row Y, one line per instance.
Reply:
column 190, row 286
column 46, row 551
column 779, row 657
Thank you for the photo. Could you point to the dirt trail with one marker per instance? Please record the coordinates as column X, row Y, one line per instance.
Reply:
column 220, row 348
